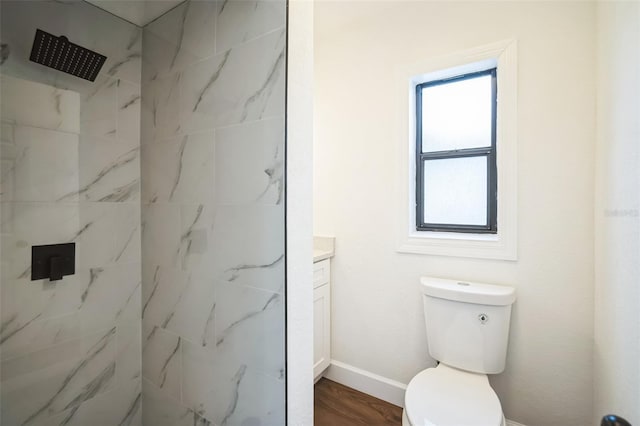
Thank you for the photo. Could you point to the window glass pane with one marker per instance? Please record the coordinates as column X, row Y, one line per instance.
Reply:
column 457, row 115
column 455, row 191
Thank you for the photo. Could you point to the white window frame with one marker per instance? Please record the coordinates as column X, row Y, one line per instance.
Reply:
column 502, row 245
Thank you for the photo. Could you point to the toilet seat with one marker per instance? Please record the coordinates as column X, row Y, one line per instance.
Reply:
column 446, row 396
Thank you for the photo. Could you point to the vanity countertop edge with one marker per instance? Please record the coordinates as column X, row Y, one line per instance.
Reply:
column 323, row 248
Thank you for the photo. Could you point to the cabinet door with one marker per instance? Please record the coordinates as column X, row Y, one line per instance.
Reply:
column 321, row 329
column 321, row 273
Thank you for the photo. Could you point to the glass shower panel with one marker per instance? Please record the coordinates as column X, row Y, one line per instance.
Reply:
column 167, row 173
column 70, row 349
column 213, row 105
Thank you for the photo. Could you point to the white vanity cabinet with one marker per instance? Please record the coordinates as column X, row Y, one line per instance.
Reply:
column 321, row 317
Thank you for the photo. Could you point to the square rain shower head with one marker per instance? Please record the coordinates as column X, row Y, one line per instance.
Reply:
column 60, row 54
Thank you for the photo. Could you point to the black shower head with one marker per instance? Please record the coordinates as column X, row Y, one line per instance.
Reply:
column 60, row 54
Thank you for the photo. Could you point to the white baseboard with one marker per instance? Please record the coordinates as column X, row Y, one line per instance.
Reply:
column 372, row 384
column 367, row 382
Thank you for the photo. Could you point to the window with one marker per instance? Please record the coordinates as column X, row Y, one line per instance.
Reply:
column 456, row 174
column 468, row 222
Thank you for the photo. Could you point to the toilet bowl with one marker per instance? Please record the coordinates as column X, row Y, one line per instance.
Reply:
column 446, row 396
column 467, row 328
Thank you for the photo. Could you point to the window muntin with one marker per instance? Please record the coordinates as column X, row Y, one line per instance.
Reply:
column 456, row 189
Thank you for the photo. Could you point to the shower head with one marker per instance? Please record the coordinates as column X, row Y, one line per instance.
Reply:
column 60, row 54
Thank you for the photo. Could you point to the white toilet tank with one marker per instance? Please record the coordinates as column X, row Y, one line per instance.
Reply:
column 467, row 323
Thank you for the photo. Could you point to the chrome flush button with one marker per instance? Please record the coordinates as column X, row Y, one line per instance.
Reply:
column 483, row 318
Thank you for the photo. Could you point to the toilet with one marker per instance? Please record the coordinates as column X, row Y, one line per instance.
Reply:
column 467, row 333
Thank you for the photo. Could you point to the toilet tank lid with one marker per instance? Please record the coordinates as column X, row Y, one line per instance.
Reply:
column 469, row 292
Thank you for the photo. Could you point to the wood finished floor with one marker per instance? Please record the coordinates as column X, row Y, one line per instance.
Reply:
column 338, row 405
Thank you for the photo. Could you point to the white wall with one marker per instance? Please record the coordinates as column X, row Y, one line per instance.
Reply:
column 299, row 212
column 377, row 313
column 617, row 315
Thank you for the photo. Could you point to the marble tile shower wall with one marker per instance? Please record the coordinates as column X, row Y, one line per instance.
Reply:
column 213, row 220
column 70, row 351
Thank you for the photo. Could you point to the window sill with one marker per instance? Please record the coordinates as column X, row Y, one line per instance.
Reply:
column 480, row 246
column 428, row 235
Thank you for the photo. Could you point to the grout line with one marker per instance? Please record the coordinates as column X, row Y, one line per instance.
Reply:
column 248, row 41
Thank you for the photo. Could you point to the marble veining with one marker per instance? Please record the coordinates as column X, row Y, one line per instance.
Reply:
column 227, row 390
column 236, row 270
column 221, row 90
column 55, row 108
column 180, row 165
column 129, row 105
column 154, row 288
column 260, row 97
column 98, row 115
column 39, row 165
column 132, row 411
column 80, row 383
column 84, row 303
column 180, row 250
column 165, row 176
column 229, row 329
column 7, row 334
column 212, row 192
column 93, row 275
column 276, row 177
column 129, row 350
column 112, row 168
column 238, row 227
column 208, row 327
column 253, row 332
column 163, row 368
column 237, row 379
column 211, row 81
column 239, row 21
column 161, row 107
column 183, row 304
column 180, row 38
column 117, row 193
column 164, row 239
column 159, row 409
column 122, row 407
column 167, row 362
column 111, row 234
column 258, row 178
column 114, row 68
column 71, row 350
